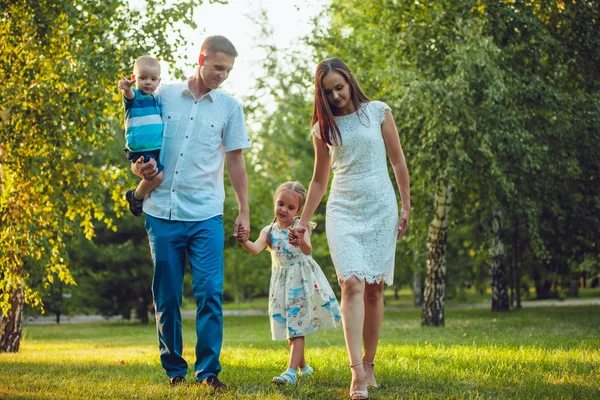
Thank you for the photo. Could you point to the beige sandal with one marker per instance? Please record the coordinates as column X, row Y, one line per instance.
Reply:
column 358, row 394
column 371, row 383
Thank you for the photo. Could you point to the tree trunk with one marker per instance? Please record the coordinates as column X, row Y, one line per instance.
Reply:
column 11, row 326
column 418, row 288
column 499, row 288
column 435, row 283
column 142, row 310
column 516, row 275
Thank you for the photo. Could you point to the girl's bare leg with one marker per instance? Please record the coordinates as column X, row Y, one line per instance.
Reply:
column 296, row 353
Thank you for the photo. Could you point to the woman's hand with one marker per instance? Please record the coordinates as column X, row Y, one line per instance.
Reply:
column 296, row 235
column 403, row 223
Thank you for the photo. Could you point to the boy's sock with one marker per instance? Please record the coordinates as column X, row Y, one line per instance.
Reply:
column 137, row 196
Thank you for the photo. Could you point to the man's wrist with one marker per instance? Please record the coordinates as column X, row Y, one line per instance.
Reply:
column 244, row 210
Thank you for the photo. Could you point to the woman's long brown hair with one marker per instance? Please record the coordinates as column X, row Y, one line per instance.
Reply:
column 322, row 114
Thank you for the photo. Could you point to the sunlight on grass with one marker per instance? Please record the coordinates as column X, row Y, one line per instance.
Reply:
column 541, row 353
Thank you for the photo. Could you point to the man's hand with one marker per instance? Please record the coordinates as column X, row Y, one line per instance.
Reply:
column 146, row 170
column 241, row 229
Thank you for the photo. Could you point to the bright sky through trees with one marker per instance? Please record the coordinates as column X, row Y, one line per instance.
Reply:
column 289, row 19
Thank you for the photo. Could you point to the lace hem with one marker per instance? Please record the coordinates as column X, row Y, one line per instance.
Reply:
column 369, row 278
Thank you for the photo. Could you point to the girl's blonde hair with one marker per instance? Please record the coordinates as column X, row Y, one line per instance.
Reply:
column 293, row 187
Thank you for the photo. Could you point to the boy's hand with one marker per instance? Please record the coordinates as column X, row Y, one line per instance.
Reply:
column 125, row 87
column 125, row 84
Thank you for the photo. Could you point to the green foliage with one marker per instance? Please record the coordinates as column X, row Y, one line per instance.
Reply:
column 59, row 67
column 490, row 97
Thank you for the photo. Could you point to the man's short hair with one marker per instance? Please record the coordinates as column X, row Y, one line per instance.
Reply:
column 145, row 61
column 216, row 43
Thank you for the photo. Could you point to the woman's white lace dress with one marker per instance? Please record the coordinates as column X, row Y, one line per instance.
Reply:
column 362, row 211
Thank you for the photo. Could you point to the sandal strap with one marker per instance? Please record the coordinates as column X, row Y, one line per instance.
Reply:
column 289, row 377
column 371, row 363
column 359, row 394
column 356, row 365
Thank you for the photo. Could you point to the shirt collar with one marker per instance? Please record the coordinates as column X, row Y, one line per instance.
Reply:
column 211, row 95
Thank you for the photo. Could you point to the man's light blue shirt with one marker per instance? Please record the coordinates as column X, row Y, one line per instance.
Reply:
column 196, row 136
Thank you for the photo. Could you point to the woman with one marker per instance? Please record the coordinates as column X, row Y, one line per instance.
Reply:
column 354, row 135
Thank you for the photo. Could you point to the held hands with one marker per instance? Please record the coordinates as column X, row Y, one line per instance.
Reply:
column 296, row 235
column 403, row 223
column 241, row 229
column 242, row 235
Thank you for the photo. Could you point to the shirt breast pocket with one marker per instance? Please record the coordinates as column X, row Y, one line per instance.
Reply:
column 171, row 122
column 211, row 133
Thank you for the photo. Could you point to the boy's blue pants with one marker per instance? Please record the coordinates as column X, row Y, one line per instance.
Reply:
column 202, row 242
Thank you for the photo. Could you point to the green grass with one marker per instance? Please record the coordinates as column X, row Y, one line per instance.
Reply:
column 530, row 354
column 405, row 299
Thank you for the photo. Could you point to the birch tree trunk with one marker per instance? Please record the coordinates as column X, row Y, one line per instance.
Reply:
column 498, row 270
column 11, row 325
column 435, row 282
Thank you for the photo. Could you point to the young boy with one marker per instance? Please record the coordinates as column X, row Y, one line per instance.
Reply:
column 143, row 125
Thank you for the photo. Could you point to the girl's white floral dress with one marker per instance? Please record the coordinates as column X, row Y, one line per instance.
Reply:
column 301, row 300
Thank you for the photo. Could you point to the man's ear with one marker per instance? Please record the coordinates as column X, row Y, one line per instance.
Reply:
column 201, row 59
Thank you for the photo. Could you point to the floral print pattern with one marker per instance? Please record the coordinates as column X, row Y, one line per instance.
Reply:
column 301, row 300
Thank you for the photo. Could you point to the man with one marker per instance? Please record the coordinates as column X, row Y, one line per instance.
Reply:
column 203, row 127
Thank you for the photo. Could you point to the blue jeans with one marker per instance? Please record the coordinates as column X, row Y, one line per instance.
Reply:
column 203, row 244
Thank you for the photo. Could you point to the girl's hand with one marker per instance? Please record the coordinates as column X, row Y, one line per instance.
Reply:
column 242, row 237
column 296, row 234
column 403, row 223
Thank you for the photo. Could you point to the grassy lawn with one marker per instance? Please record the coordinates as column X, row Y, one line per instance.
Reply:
column 406, row 299
column 530, row 354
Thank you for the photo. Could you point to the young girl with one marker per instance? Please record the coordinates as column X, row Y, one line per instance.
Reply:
column 300, row 298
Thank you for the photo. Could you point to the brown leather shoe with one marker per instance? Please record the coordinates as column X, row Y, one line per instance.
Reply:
column 214, row 383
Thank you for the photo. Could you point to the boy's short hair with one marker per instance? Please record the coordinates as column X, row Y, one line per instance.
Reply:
column 145, row 61
column 213, row 44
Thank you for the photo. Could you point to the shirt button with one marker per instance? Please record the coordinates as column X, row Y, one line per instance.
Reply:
column 176, row 172
column 186, row 136
column 192, row 118
column 181, row 154
column 173, row 190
